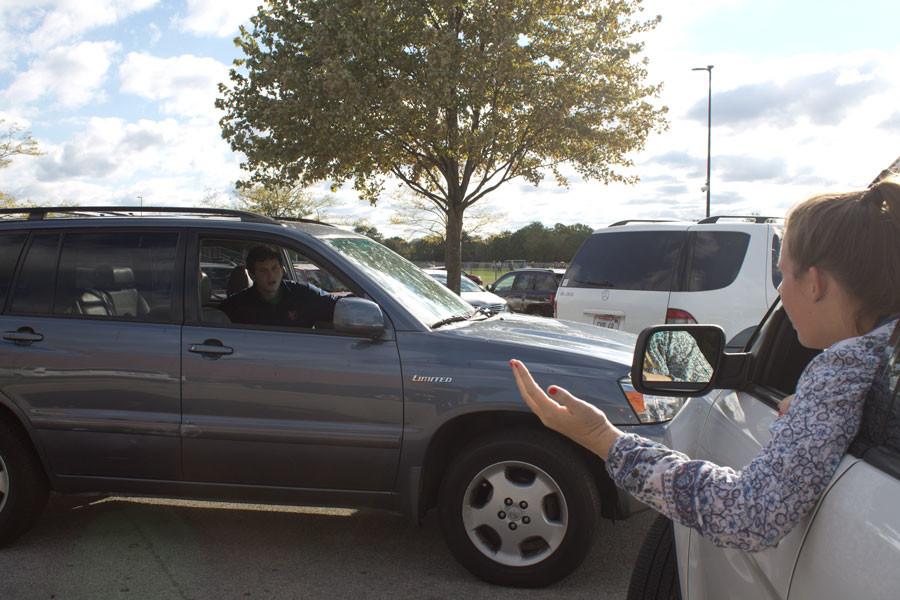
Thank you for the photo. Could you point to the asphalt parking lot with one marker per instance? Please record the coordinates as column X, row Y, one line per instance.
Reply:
column 90, row 548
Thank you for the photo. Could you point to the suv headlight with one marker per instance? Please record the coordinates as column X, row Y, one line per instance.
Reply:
column 650, row 409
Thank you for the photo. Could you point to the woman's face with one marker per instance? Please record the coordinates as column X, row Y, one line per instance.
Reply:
column 797, row 302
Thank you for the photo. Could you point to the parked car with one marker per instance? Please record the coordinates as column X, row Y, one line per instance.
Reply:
column 631, row 275
column 472, row 293
column 848, row 547
column 121, row 375
column 530, row 291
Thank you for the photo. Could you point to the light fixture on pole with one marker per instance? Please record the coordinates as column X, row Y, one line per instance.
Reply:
column 708, row 69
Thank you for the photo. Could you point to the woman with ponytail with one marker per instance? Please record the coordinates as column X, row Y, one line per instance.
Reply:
column 841, row 290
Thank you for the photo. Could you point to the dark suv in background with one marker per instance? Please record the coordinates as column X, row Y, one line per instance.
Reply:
column 531, row 291
column 120, row 373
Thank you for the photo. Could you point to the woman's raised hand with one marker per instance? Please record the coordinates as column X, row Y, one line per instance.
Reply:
column 561, row 411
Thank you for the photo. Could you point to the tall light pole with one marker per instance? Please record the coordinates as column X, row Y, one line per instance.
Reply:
column 708, row 69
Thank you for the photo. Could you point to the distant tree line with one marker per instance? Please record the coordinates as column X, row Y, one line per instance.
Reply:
column 534, row 243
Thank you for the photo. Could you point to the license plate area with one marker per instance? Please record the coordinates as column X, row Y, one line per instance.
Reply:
column 608, row 321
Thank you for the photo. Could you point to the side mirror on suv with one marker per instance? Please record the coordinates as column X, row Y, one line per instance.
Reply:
column 358, row 316
column 678, row 360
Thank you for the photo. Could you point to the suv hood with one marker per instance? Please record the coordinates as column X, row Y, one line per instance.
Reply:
column 552, row 335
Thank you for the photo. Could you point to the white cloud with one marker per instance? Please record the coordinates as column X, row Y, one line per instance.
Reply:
column 183, row 85
column 215, row 17
column 110, row 160
column 72, row 75
column 33, row 26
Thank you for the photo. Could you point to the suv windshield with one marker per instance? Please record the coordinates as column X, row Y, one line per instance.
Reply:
column 425, row 298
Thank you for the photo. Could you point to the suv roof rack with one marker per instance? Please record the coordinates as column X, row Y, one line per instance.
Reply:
column 39, row 213
column 753, row 218
column 627, row 221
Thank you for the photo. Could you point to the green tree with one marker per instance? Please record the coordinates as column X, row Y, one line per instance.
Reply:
column 278, row 200
column 14, row 141
column 452, row 98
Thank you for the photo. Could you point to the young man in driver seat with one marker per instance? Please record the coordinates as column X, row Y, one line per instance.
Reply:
column 273, row 301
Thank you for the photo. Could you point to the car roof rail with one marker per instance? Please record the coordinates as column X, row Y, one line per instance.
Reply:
column 627, row 221
column 39, row 213
column 303, row 220
column 753, row 218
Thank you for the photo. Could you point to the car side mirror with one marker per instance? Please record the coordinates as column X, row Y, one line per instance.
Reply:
column 358, row 316
column 490, row 287
column 677, row 360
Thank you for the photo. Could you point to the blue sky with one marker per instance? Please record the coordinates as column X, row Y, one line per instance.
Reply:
column 805, row 99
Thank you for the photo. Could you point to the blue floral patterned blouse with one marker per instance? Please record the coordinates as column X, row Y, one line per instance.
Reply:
column 755, row 507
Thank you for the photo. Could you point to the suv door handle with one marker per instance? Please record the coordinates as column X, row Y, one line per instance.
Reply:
column 23, row 336
column 211, row 348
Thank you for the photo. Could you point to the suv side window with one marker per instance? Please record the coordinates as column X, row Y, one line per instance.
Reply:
column 653, row 258
column 545, row 282
column 776, row 254
column 715, row 259
column 524, row 281
column 10, row 249
column 505, row 283
column 128, row 275
column 33, row 294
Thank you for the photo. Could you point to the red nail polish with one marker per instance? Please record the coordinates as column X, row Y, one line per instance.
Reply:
column 553, row 390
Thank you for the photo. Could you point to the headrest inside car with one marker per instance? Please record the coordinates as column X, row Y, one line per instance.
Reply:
column 113, row 278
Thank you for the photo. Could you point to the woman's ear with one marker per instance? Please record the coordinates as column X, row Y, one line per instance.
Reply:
column 817, row 283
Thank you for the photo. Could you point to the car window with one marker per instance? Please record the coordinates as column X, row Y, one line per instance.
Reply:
column 776, row 254
column 715, row 259
column 524, row 281
column 307, row 271
column 125, row 275
column 33, row 293
column 652, row 259
column 545, row 282
column 10, row 249
column 224, row 276
column 505, row 283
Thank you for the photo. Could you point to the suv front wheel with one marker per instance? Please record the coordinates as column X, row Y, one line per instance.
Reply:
column 519, row 509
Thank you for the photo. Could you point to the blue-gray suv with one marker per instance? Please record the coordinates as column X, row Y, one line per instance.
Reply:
column 121, row 373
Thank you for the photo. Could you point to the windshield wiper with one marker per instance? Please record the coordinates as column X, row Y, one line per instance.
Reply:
column 453, row 319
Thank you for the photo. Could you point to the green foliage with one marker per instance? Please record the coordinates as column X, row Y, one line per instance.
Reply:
column 451, row 98
column 290, row 201
column 532, row 243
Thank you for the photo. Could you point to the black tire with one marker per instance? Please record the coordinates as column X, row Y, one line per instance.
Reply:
column 655, row 573
column 553, row 529
column 23, row 484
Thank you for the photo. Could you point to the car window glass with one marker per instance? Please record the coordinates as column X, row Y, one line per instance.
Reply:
column 504, row 284
column 124, row 275
column 307, row 271
column 715, row 259
column 545, row 282
column 228, row 293
column 524, row 281
column 652, row 258
column 33, row 293
column 776, row 254
column 10, row 248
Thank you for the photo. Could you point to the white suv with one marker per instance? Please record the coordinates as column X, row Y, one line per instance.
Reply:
column 633, row 274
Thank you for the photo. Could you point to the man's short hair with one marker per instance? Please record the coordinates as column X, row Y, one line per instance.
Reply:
column 260, row 254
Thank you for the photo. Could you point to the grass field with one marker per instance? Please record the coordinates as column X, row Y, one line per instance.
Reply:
column 487, row 275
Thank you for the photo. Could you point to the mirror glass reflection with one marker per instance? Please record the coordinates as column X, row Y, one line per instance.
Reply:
column 680, row 356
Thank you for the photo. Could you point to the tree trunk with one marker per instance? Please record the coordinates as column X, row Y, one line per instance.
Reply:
column 453, row 246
